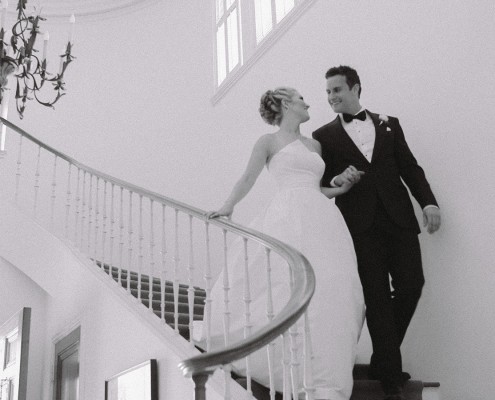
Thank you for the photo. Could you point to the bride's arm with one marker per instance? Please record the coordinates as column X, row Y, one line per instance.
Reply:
column 332, row 192
column 257, row 161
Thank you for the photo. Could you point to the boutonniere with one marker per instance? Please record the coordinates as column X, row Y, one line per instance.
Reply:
column 384, row 121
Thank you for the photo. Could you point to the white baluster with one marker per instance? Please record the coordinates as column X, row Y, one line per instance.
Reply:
column 18, row 169
column 163, row 282
column 227, row 394
column 37, row 182
column 77, row 205
column 226, row 288
column 286, row 366
column 104, row 230
column 67, row 204
column 90, row 211
column 294, row 361
column 83, row 209
column 208, row 285
column 112, row 232
column 140, row 250
column 121, row 235
column 226, row 312
column 129, row 249
column 176, row 273
column 247, row 312
column 54, row 187
column 270, row 315
column 190, row 289
column 309, row 387
column 152, row 255
column 97, row 222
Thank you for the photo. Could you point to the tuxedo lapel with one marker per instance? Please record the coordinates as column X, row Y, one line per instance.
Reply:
column 380, row 133
column 347, row 141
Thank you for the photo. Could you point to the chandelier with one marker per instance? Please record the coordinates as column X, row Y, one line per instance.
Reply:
column 20, row 58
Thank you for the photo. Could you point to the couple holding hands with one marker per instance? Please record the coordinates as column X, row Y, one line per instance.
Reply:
column 363, row 246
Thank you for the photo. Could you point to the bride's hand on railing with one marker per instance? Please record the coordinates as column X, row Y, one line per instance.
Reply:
column 225, row 211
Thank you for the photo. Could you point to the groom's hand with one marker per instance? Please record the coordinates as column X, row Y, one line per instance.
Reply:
column 431, row 219
column 351, row 175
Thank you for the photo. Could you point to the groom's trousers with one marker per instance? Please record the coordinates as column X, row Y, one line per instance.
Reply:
column 390, row 268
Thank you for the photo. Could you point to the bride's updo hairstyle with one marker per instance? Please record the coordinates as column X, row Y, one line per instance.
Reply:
column 271, row 104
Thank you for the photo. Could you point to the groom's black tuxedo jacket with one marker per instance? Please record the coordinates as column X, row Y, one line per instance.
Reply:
column 391, row 160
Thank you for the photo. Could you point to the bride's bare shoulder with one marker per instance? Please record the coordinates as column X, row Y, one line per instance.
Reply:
column 313, row 144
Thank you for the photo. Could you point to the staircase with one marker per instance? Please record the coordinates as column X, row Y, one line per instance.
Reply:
column 156, row 298
column 364, row 388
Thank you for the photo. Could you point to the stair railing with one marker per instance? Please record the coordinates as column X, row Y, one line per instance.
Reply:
column 122, row 227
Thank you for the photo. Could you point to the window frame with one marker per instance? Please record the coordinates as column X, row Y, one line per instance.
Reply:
column 252, row 50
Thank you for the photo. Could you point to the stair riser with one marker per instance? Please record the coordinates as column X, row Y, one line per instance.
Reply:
column 157, row 288
column 183, row 310
column 169, row 297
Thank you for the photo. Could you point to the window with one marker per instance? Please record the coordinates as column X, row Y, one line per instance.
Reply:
column 268, row 14
column 10, row 349
column 14, row 355
column 228, row 37
column 244, row 30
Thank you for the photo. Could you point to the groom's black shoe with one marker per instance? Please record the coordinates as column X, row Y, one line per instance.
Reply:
column 375, row 376
column 394, row 397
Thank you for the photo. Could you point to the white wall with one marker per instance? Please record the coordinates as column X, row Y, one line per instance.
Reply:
column 138, row 107
column 15, row 282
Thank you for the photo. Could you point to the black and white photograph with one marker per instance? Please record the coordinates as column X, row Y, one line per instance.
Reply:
column 247, row 199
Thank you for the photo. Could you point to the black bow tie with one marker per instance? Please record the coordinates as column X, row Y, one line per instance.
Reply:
column 349, row 117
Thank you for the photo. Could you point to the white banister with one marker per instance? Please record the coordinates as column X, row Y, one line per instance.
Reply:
column 83, row 210
column 140, row 251
column 176, row 272
column 54, row 187
column 151, row 256
column 87, row 213
column 37, row 182
column 90, row 212
column 129, row 247
column 77, row 205
column 163, row 274
column 208, row 283
column 18, row 169
column 190, row 289
column 104, row 231
column 247, row 311
column 97, row 220
column 270, row 314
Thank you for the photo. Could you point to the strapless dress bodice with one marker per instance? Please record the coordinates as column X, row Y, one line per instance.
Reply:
column 295, row 166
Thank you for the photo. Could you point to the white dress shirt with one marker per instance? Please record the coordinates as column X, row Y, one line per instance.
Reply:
column 362, row 134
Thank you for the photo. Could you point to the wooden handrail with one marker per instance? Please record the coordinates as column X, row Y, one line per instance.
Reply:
column 204, row 364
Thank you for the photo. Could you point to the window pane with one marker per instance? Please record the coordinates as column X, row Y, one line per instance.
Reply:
column 263, row 14
column 233, row 39
column 229, row 3
column 282, row 8
column 221, row 60
column 220, row 9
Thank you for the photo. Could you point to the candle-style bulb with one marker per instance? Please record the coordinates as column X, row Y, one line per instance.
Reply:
column 46, row 37
column 72, row 22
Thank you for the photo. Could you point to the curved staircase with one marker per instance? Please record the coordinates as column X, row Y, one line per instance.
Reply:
column 364, row 388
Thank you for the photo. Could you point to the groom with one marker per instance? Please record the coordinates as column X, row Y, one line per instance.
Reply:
column 362, row 146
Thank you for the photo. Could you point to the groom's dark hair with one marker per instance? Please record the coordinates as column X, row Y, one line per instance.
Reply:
column 351, row 76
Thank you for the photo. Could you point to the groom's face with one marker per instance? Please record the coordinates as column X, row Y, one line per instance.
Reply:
column 341, row 98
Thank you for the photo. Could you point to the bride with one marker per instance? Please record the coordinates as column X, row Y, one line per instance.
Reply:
column 302, row 215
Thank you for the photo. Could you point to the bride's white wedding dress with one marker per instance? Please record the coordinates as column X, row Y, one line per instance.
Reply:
column 301, row 216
